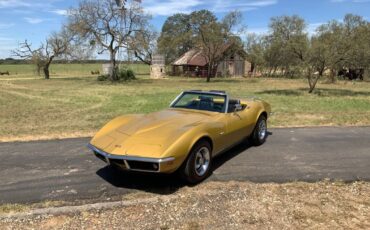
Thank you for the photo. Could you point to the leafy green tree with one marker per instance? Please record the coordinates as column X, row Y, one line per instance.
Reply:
column 255, row 51
column 287, row 43
column 200, row 30
column 212, row 36
column 176, row 37
column 357, row 41
column 337, row 45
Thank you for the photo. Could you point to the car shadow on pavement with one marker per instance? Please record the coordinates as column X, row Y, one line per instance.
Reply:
column 235, row 151
column 154, row 183
column 162, row 183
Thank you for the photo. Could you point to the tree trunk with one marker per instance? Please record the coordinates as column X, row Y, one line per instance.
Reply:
column 274, row 71
column 38, row 69
column 270, row 72
column 46, row 72
column 312, row 81
column 113, row 72
column 253, row 67
column 209, row 72
column 332, row 75
column 46, row 67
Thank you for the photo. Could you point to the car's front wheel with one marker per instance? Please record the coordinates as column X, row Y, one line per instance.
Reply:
column 198, row 165
column 259, row 134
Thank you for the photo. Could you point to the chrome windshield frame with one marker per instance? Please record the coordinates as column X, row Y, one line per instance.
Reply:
column 205, row 93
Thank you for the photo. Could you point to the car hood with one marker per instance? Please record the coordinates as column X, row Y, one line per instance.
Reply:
column 150, row 135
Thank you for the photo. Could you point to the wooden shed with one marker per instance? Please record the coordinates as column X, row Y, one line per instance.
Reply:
column 194, row 63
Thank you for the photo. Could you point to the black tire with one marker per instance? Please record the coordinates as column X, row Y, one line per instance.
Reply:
column 189, row 172
column 259, row 133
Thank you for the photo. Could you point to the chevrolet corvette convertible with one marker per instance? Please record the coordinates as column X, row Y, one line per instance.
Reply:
column 184, row 138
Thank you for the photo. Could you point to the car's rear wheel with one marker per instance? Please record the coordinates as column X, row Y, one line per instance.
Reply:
column 259, row 134
column 198, row 164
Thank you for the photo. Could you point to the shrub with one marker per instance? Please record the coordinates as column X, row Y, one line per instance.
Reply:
column 103, row 77
column 131, row 74
column 123, row 75
column 126, row 75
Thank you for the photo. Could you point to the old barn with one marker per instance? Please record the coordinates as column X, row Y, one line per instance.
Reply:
column 195, row 64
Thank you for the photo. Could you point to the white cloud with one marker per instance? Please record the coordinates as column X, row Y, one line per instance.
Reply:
column 261, row 3
column 34, row 20
column 311, row 28
column 60, row 12
column 21, row 5
column 166, row 8
column 13, row 3
column 6, row 25
column 170, row 7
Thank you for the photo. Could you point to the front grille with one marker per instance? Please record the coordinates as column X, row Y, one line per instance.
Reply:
column 129, row 164
column 117, row 161
column 146, row 166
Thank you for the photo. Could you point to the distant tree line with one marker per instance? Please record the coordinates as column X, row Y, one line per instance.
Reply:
column 288, row 50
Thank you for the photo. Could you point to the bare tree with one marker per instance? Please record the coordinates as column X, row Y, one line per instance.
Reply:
column 144, row 45
column 108, row 25
column 55, row 46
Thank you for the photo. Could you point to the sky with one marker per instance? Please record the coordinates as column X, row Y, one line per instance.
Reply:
column 34, row 20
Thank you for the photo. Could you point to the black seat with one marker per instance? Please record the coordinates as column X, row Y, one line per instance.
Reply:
column 232, row 104
column 205, row 103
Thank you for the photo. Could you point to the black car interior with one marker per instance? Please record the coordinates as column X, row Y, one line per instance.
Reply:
column 235, row 106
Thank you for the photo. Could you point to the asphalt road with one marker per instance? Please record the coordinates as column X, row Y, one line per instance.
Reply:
column 66, row 170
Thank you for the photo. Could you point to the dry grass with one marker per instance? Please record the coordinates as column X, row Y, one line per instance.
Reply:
column 74, row 107
column 25, row 71
column 232, row 205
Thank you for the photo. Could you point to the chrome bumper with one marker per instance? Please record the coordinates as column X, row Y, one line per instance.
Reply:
column 140, row 164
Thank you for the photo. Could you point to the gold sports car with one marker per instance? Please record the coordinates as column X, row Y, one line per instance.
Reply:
column 184, row 138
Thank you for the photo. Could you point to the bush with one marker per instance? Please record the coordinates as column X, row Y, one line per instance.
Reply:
column 123, row 75
column 126, row 75
column 103, row 77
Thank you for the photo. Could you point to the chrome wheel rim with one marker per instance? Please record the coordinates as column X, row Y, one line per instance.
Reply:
column 202, row 158
column 262, row 129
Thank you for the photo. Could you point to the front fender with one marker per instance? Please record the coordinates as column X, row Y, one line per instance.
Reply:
column 183, row 145
column 115, row 123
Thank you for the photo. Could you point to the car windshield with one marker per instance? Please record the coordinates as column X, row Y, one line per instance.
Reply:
column 201, row 101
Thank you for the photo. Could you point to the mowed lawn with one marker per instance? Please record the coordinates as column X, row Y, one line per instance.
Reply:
column 78, row 106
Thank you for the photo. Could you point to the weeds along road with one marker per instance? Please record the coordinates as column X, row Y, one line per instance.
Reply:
column 65, row 170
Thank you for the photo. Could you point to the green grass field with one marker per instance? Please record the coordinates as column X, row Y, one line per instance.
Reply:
column 78, row 106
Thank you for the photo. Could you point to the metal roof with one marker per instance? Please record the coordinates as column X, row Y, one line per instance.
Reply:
column 192, row 57
column 196, row 57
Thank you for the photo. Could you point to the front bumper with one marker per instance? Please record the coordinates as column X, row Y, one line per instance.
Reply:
column 131, row 163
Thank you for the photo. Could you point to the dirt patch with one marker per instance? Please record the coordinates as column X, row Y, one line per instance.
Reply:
column 235, row 205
